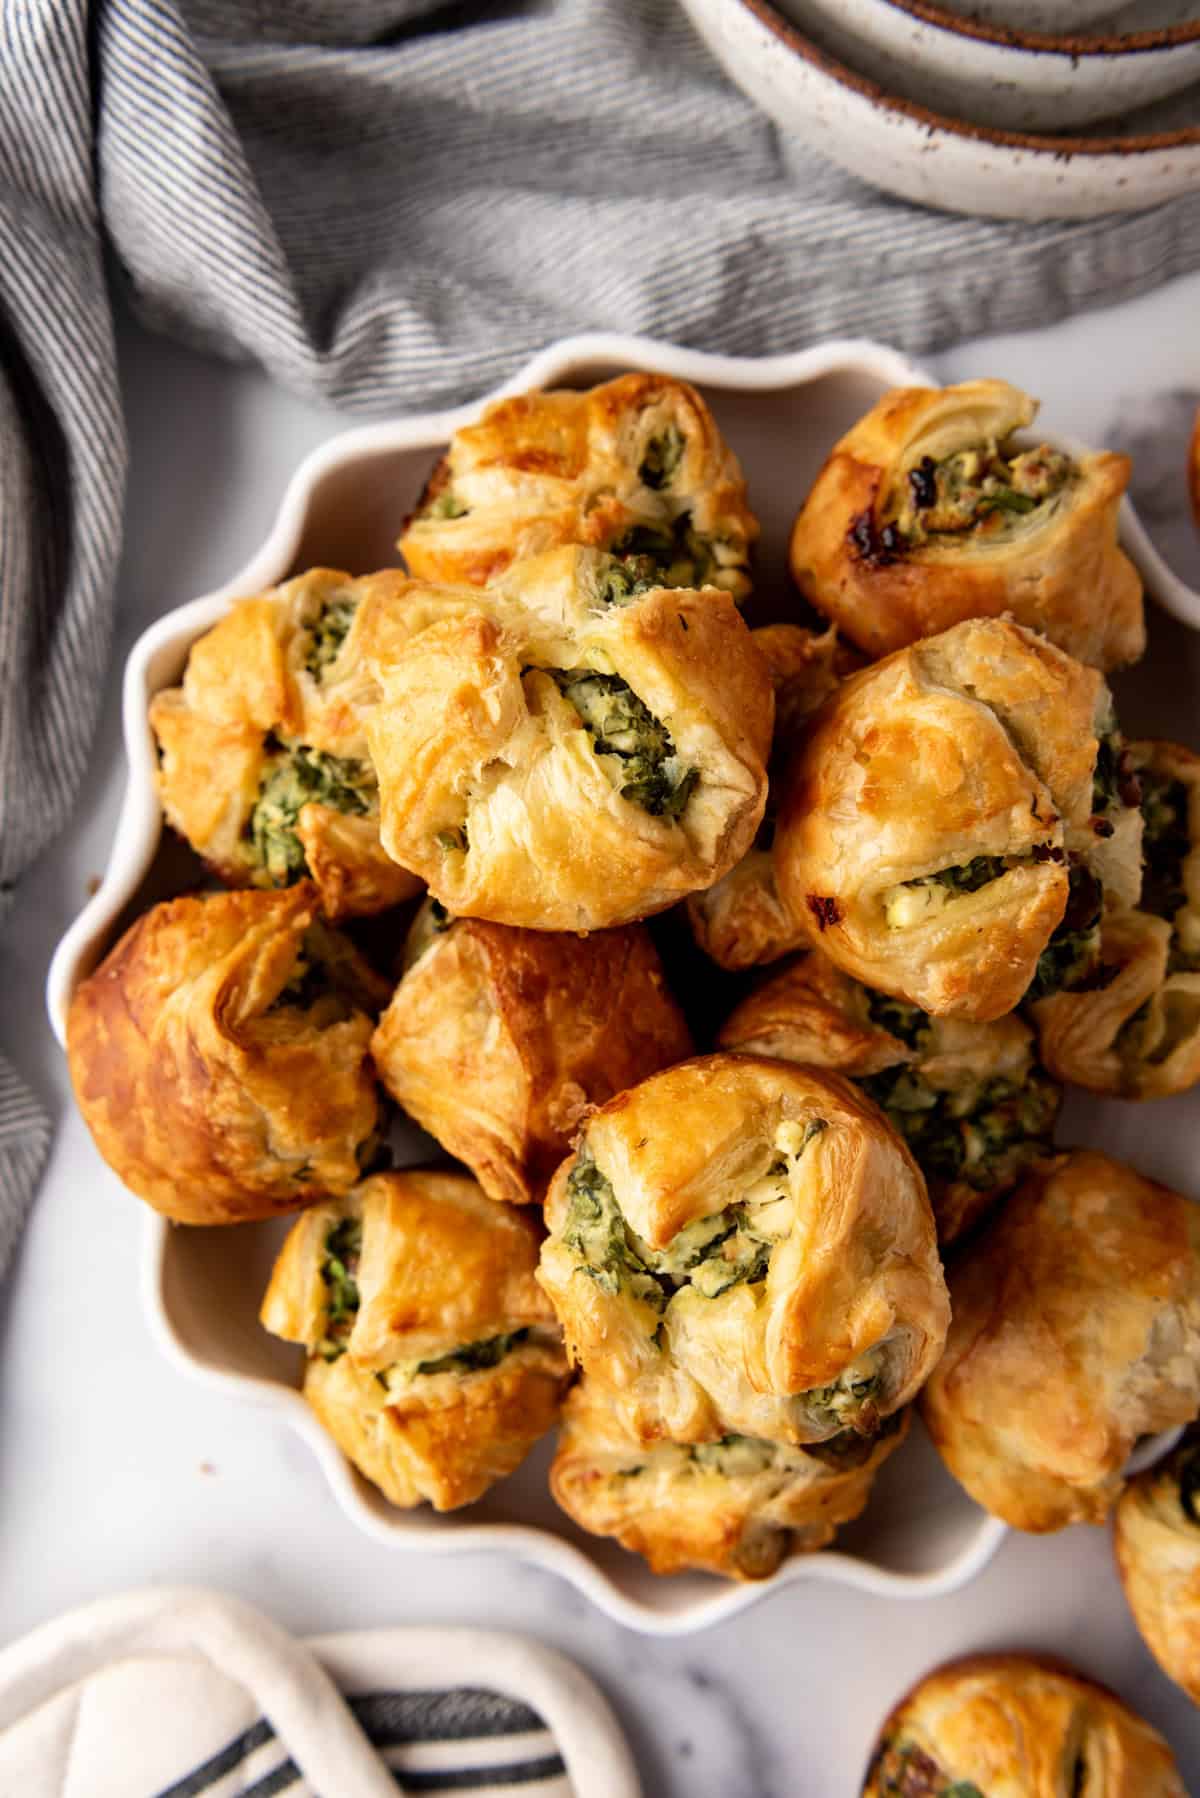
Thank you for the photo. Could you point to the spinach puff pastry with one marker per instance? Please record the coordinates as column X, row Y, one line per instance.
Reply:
column 1133, row 1029
column 738, row 1506
column 969, row 1099
column 497, row 1041
column 742, row 1247
column 636, row 466
column 263, row 762
column 929, row 512
column 949, row 811
column 558, row 755
column 433, row 1358
column 1076, row 1329
column 219, row 1056
column 1013, row 1726
column 742, row 921
column 1157, row 1541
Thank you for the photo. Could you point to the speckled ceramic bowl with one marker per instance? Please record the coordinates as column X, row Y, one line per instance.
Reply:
column 936, row 159
column 1073, row 15
column 1016, row 81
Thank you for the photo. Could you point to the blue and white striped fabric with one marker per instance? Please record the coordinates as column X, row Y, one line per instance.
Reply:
column 193, row 1694
column 391, row 204
column 467, row 1740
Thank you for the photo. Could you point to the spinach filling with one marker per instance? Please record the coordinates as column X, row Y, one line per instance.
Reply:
column 327, row 633
column 597, row 1233
column 850, row 1401
column 711, row 1255
column 680, row 555
column 663, row 454
column 622, row 582
column 472, row 1357
column 907, row 1023
column 1073, row 951
column 982, row 1134
column 1166, row 845
column 446, row 505
column 327, row 971
column 1114, row 782
column 295, row 776
column 966, row 877
column 851, row 1447
column 732, row 1456
column 652, row 774
column 980, row 490
column 339, row 1269
column 906, row 1771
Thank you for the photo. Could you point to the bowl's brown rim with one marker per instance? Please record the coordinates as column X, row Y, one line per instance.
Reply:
column 1075, row 46
column 1062, row 149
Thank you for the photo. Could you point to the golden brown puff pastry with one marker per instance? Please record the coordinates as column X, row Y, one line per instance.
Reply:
column 1012, row 1726
column 1076, row 1330
column 434, row 1360
column 1133, row 1030
column 929, row 512
column 497, row 1041
column 220, row 1057
column 969, row 1099
column 636, row 467
column 1194, row 469
column 742, row 921
column 263, row 758
column 557, row 759
column 943, row 816
column 740, row 1246
column 1157, row 1541
column 738, row 1506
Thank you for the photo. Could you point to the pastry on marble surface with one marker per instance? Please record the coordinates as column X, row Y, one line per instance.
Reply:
column 946, row 826
column 743, row 1247
column 738, row 1506
column 928, row 512
column 497, row 1040
column 263, row 762
column 742, row 921
column 1017, row 1726
column 1157, row 1541
column 969, row 1099
column 558, row 756
column 433, row 1357
column 1076, row 1329
column 219, row 1055
column 1133, row 1031
column 636, row 466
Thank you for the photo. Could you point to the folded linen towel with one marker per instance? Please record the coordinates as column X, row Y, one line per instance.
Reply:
column 191, row 1694
column 392, row 205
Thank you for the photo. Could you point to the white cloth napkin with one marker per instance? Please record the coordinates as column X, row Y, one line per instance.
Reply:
column 179, row 1693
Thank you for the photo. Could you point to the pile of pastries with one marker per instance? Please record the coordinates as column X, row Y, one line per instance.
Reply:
column 726, row 1227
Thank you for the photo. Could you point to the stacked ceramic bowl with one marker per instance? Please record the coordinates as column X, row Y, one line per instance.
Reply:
column 1014, row 108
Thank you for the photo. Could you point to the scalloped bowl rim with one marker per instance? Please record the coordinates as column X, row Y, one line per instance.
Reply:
column 136, row 840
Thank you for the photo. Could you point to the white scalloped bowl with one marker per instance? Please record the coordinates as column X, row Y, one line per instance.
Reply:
column 921, row 1536
column 937, row 156
column 990, row 75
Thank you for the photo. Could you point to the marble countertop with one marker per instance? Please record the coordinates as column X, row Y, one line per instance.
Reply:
column 116, row 1472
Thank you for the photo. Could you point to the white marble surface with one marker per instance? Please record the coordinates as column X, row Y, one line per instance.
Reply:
column 114, row 1471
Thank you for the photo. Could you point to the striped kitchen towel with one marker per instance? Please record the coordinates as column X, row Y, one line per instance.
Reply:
column 190, row 1694
column 391, row 205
